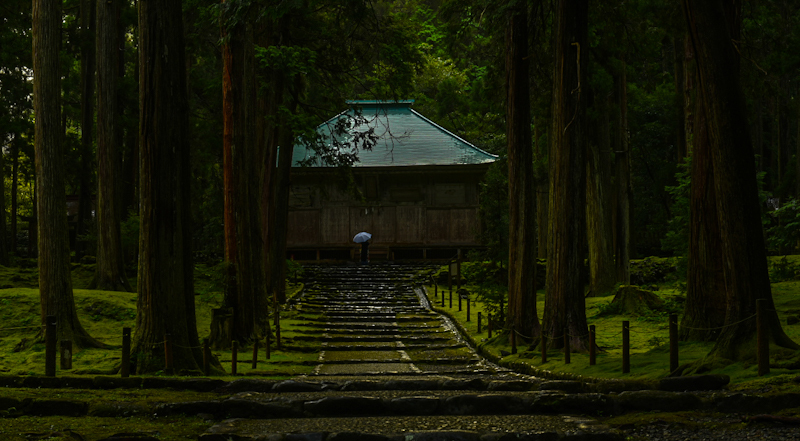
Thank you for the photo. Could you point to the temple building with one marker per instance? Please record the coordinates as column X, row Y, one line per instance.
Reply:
column 416, row 190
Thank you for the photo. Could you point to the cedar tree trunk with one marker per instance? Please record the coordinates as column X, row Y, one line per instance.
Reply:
column 704, row 311
column 743, row 252
column 87, row 126
column 599, row 206
column 564, row 303
column 110, row 271
column 521, row 189
column 55, row 280
column 622, row 244
column 166, row 293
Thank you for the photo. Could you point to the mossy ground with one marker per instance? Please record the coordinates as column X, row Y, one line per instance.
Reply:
column 649, row 339
column 104, row 313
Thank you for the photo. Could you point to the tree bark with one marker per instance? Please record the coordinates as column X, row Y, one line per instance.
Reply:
column 14, row 195
column 110, row 269
column 680, row 105
column 622, row 244
column 542, row 190
column 55, row 280
column 704, row 312
column 743, row 251
column 599, row 205
column 521, row 190
column 245, row 295
column 165, row 288
column 564, row 302
column 87, row 126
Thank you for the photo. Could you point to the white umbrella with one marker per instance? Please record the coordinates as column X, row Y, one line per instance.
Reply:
column 362, row 237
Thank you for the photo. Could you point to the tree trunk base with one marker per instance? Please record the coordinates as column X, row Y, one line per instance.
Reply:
column 221, row 325
column 635, row 300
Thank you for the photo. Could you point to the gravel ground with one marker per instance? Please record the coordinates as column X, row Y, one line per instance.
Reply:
column 704, row 427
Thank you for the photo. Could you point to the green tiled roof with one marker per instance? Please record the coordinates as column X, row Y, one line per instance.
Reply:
column 404, row 138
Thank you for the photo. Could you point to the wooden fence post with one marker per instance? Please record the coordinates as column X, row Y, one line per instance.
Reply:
column 255, row 353
column 592, row 349
column 489, row 325
column 168, row 365
column 50, row 346
column 206, row 357
column 762, row 337
column 277, row 327
column 268, row 344
column 543, row 346
column 125, row 368
column 673, row 342
column 566, row 347
column 513, row 340
column 479, row 322
column 234, row 356
column 467, row 308
column 626, row 347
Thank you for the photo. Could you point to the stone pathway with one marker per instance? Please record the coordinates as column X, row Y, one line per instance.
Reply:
column 392, row 369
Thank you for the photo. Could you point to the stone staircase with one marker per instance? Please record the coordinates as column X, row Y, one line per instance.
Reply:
column 390, row 368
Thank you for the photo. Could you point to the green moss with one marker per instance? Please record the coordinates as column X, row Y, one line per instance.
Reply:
column 63, row 428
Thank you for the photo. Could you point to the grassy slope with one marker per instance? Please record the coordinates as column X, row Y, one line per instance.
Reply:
column 649, row 338
column 105, row 313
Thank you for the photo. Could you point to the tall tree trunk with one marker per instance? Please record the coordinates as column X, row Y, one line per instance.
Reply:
column 622, row 158
column 110, row 269
column 55, row 280
column 797, row 156
column 599, row 204
column 743, row 252
column 87, row 126
column 3, row 229
column 565, row 309
column 542, row 187
column 243, row 236
column 680, row 105
column 14, row 195
column 276, row 285
column 165, row 288
column 704, row 312
column 521, row 189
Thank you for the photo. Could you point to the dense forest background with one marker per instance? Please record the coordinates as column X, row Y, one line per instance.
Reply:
column 449, row 57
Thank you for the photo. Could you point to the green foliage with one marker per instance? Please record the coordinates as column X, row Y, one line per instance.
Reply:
column 652, row 270
column 783, row 270
column 676, row 240
column 493, row 212
column 784, row 234
column 489, row 284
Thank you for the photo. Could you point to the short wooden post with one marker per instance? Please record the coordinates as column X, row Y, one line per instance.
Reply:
column 467, row 308
column 168, row 364
column 543, row 347
column 762, row 337
column 206, row 357
column 592, row 346
column 458, row 271
column 673, row 342
column 626, row 347
column 277, row 327
column 450, row 282
column 513, row 339
column 234, row 356
column 255, row 353
column 50, row 346
column 66, row 354
column 125, row 368
column 566, row 347
column 479, row 322
column 442, row 298
column 267, row 344
column 489, row 325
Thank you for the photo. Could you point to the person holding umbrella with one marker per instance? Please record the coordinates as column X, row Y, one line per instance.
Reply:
column 363, row 238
